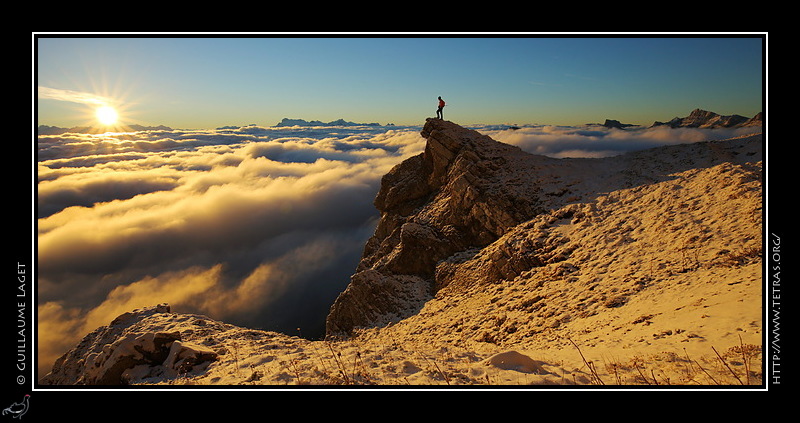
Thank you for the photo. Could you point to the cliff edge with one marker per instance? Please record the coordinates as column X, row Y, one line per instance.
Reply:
column 463, row 192
column 446, row 207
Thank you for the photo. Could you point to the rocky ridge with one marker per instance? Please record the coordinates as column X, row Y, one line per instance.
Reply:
column 131, row 348
column 337, row 122
column 54, row 130
column 443, row 208
column 464, row 191
column 699, row 118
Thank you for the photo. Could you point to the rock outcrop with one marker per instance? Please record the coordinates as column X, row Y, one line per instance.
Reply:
column 611, row 123
column 442, row 208
column 127, row 350
column 464, row 191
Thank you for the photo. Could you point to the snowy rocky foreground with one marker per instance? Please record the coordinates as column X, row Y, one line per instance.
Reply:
column 492, row 266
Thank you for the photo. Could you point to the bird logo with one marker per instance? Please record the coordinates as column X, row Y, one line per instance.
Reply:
column 18, row 409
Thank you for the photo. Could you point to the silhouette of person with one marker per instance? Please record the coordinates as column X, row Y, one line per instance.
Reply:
column 439, row 113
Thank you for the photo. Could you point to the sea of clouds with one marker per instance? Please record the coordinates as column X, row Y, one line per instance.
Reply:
column 256, row 226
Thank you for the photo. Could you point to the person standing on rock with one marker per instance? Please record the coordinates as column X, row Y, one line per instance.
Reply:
column 439, row 113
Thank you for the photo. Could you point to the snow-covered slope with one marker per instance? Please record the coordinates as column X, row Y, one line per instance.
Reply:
column 495, row 266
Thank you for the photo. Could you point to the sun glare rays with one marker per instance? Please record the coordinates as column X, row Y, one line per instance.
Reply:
column 102, row 112
column 110, row 116
column 106, row 115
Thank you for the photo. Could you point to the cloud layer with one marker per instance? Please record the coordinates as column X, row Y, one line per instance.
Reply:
column 598, row 141
column 255, row 226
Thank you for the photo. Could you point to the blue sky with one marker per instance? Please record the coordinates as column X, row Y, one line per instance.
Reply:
column 207, row 82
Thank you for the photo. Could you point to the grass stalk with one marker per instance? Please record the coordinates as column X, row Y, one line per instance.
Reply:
column 707, row 374
column 588, row 364
column 726, row 365
column 745, row 360
column 644, row 378
column 293, row 362
column 339, row 364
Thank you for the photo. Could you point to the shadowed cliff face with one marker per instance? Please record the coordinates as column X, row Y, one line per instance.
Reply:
column 445, row 206
column 463, row 192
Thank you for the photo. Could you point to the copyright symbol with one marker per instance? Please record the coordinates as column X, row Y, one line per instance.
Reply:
column 20, row 379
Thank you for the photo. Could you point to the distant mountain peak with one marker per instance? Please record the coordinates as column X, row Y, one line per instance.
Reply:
column 700, row 118
column 55, row 130
column 337, row 122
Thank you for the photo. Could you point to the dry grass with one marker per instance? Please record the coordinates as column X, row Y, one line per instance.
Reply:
column 738, row 365
column 347, row 363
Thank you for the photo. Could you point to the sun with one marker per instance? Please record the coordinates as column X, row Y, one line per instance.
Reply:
column 106, row 115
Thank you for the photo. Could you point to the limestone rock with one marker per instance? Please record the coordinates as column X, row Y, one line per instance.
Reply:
column 472, row 210
column 133, row 347
column 463, row 191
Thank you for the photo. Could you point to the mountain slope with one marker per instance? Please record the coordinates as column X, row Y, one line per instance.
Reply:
column 494, row 266
column 467, row 190
column 464, row 191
